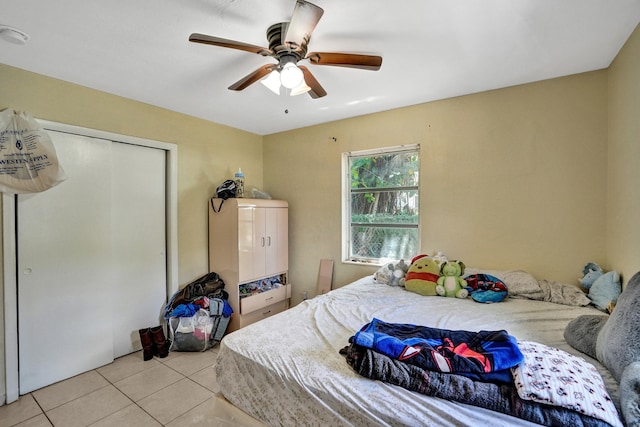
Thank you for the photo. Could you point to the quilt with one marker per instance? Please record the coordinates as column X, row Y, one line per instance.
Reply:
column 483, row 355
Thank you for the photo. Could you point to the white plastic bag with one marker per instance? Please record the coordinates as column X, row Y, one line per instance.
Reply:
column 28, row 160
column 191, row 333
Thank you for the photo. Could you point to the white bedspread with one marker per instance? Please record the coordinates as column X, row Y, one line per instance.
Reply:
column 286, row 370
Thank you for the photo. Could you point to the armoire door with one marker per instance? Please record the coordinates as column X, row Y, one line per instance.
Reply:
column 82, row 258
column 263, row 242
column 251, row 243
column 277, row 240
column 260, row 246
column 246, row 243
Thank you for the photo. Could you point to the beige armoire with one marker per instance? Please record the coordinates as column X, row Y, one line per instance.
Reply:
column 249, row 249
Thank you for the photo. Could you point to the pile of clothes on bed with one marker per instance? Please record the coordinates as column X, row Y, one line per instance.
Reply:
column 488, row 369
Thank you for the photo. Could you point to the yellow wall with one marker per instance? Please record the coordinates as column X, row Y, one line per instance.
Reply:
column 623, row 185
column 511, row 178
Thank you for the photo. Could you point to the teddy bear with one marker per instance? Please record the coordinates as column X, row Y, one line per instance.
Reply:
column 604, row 288
column 450, row 283
column 439, row 257
column 614, row 340
column 590, row 273
column 422, row 276
column 399, row 273
column 392, row 274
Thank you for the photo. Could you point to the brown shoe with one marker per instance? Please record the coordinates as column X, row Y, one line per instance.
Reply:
column 161, row 343
column 148, row 347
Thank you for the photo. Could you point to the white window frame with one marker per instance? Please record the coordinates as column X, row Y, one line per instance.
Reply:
column 346, row 201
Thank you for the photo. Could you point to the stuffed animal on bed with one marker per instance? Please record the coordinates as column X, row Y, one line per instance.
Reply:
column 590, row 273
column 439, row 257
column 614, row 341
column 450, row 282
column 392, row 274
column 486, row 288
column 604, row 288
column 422, row 276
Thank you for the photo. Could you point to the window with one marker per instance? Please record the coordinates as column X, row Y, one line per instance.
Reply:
column 380, row 204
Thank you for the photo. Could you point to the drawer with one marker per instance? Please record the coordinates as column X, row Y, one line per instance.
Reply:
column 264, row 299
column 263, row 313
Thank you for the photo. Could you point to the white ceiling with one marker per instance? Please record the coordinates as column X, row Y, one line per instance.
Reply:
column 431, row 49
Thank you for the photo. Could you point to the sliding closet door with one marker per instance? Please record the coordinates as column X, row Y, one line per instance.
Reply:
column 92, row 265
column 139, row 242
column 64, row 268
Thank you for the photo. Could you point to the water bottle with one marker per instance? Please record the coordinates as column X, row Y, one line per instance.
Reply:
column 239, row 178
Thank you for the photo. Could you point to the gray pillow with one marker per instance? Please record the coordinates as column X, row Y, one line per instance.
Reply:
column 617, row 345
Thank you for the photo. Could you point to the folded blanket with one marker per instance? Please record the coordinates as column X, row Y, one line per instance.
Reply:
column 484, row 355
column 496, row 397
column 554, row 377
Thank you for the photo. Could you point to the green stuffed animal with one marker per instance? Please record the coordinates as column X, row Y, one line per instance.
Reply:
column 450, row 282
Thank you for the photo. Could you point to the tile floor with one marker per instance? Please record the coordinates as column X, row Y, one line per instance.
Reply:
column 179, row 390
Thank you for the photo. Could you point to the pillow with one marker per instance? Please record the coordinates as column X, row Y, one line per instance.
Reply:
column 605, row 290
column 485, row 288
column 520, row 283
column 551, row 376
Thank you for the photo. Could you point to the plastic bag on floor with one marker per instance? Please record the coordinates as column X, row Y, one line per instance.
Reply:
column 191, row 333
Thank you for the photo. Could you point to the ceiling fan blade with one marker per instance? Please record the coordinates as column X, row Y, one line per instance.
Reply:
column 351, row 60
column 304, row 19
column 217, row 41
column 316, row 90
column 253, row 77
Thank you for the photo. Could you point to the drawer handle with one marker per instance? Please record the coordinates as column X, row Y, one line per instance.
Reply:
column 267, row 299
column 266, row 312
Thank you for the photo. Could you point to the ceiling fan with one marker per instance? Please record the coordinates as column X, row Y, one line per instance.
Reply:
column 288, row 45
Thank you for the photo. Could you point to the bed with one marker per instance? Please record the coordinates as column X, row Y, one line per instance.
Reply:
column 288, row 369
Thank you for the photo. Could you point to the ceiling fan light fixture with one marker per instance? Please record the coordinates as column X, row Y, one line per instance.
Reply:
column 272, row 82
column 300, row 89
column 291, row 76
column 288, row 43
